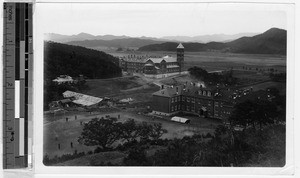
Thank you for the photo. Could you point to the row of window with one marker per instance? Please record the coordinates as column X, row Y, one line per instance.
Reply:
column 184, row 108
column 187, row 99
column 175, row 108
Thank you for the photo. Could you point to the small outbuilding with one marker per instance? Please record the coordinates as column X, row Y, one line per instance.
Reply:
column 180, row 119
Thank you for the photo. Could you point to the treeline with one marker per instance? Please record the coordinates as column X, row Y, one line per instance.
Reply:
column 62, row 59
column 225, row 77
column 104, row 132
column 226, row 148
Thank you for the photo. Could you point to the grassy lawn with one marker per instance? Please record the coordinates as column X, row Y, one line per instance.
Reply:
column 102, row 87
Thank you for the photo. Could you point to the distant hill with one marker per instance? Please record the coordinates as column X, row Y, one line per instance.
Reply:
column 200, row 38
column 209, row 38
column 62, row 59
column 79, row 37
column 85, row 36
column 272, row 41
column 116, row 43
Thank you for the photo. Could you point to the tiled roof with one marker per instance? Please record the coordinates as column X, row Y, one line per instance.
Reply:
column 166, row 58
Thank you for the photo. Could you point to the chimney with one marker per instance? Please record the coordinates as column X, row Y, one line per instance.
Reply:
column 177, row 89
column 162, row 86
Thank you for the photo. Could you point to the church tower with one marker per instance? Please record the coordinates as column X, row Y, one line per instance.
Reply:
column 180, row 56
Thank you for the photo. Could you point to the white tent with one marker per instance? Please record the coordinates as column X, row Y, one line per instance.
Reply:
column 180, row 119
column 82, row 99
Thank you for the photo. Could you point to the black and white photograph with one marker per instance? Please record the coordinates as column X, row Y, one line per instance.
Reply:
column 164, row 84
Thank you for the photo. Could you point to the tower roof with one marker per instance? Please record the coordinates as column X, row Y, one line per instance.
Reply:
column 180, row 46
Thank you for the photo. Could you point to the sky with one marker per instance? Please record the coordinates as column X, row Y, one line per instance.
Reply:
column 158, row 20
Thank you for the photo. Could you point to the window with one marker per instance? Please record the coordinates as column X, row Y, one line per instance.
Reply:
column 193, row 100
column 200, row 92
column 175, row 99
column 204, row 93
column 172, row 108
column 187, row 108
column 172, row 100
column 208, row 93
column 187, row 99
column 183, row 98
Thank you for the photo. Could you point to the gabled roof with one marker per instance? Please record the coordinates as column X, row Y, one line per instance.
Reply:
column 165, row 58
column 180, row 46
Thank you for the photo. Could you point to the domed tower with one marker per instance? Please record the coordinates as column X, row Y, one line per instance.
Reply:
column 180, row 56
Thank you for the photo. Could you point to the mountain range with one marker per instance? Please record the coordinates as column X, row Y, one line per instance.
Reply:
column 85, row 36
column 200, row 38
column 208, row 38
column 273, row 41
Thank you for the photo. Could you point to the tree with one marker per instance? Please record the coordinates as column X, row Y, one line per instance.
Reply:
column 198, row 73
column 243, row 114
column 157, row 131
column 130, row 130
column 144, row 130
column 136, row 157
column 100, row 132
column 265, row 112
column 258, row 112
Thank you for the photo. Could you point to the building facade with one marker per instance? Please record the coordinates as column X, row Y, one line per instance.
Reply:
column 155, row 67
column 190, row 98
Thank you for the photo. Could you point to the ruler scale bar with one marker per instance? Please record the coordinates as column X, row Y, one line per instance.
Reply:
column 17, row 85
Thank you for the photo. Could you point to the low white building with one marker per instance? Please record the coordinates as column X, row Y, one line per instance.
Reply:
column 82, row 99
column 63, row 79
column 180, row 119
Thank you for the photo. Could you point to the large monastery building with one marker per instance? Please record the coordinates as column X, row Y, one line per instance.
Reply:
column 191, row 98
column 155, row 67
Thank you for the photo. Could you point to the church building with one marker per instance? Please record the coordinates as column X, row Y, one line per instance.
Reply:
column 154, row 67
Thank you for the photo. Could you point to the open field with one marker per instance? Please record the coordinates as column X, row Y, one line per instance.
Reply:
column 63, row 133
column 104, row 87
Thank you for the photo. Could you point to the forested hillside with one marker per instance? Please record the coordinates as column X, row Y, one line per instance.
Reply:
column 62, row 59
column 272, row 41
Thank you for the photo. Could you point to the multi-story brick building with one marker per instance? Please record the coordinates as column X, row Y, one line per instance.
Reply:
column 192, row 98
column 152, row 66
